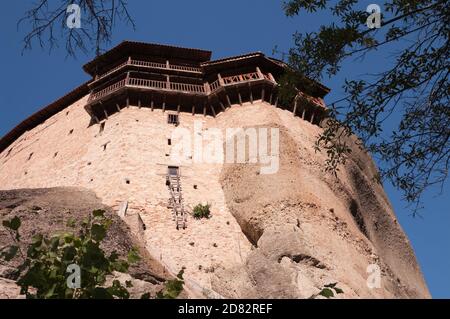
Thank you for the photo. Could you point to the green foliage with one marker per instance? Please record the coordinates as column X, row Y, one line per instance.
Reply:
column 414, row 85
column 12, row 224
column 9, row 252
column 173, row 287
column 329, row 291
column 44, row 269
column 202, row 211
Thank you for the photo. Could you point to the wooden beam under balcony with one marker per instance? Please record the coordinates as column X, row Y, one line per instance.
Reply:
column 213, row 110
column 228, row 99
column 295, row 106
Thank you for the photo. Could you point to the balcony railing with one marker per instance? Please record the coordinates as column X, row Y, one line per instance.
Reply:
column 153, row 65
column 185, row 68
column 180, row 87
column 148, row 64
column 315, row 100
column 215, row 85
column 107, row 90
column 145, row 83
column 186, row 87
column 241, row 78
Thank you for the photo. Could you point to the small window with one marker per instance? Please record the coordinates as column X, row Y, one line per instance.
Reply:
column 173, row 170
column 9, row 152
column 173, row 119
column 30, row 156
column 169, row 141
column 71, row 131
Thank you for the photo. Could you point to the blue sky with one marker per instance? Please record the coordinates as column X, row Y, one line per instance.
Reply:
column 231, row 27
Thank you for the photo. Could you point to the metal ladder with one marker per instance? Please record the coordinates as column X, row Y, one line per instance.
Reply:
column 176, row 201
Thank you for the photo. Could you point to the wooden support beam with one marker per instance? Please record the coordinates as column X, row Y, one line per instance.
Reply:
column 295, row 106
column 213, row 110
column 271, row 77
column 228, row 100
column 167, row 82
column 221, row 82
column 193, row 109
column 260, row 74
column 106, row 113
column 312, row 117
column 251, row 94
column 222, row 106
column 152, row 104
column 178, row 108
column 263, row 92
column 304, row 113
column 271, row 96
column 96, row 119
column 164, row 106
column 128, row 101
column 240, row 98
column 276, row 101
column 207, row 88
column 118, row 107
column 204, row 109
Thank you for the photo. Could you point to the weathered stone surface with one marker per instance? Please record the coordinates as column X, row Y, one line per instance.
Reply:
column 323, row 229
column 310, row 229
column 47, row 211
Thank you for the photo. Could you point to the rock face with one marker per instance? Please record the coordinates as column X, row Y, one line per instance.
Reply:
column 309, row 229
column 47, row 211
column 282, row 235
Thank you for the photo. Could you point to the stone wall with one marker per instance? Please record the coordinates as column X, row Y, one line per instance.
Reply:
column 127, row 162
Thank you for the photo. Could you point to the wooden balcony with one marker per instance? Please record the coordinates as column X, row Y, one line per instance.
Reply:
column 187, row 88
column 151, row 65
column 241, row 78
column 232, row 80
column 133, row 82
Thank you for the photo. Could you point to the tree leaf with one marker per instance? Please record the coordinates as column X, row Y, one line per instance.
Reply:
column 13, row 224
column 133, row 256
column 10, row 253
column 338, row 290
column 120, row 266
column 98, row 232
column 101, row 293
column 146, row 296
column 98, row 213
column 327, row 293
